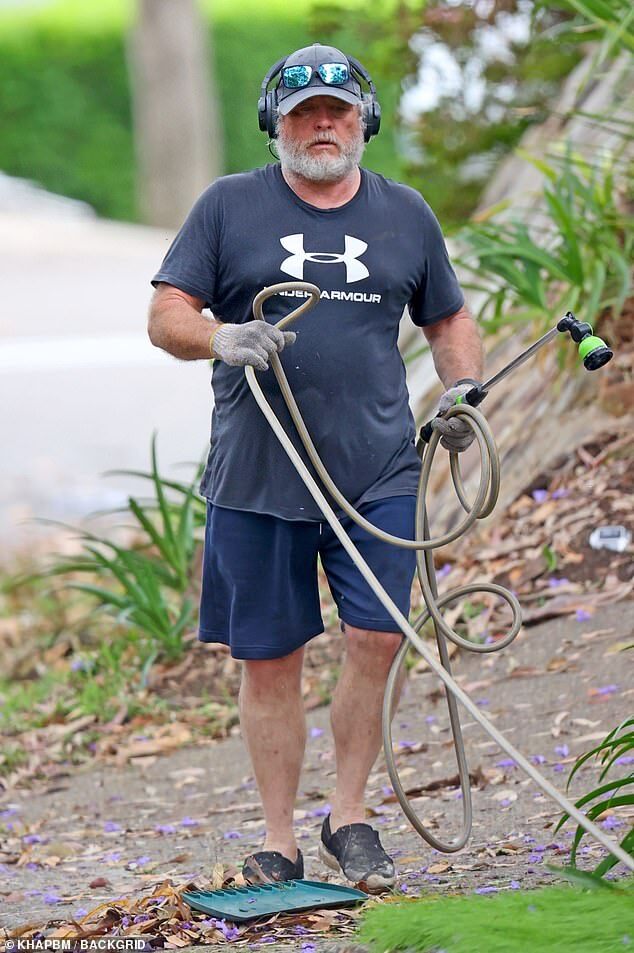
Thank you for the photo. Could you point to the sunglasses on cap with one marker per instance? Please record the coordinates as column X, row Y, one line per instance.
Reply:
column 332, row 74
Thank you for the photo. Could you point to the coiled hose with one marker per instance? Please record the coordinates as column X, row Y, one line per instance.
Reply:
column 483, row 504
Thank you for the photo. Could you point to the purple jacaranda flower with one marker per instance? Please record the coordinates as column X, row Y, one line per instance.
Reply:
column 489, row 640
column 486, row 890
column 625, row 759
column 506, row 763
column 430, row 719
column 316, row 732
column 515, row 885
column 443, row 571
column 308, row 948
column 505, row 802
column 113, row 857
column 165, row 829
column 32, row 865
column 141, row 918
column 611, row 822
column 189, row 822
column 403, row 888
column 406, row 744
column 538, row 759
column 559, row 768
column 111, row 826
column 581, row 615
column 559, row 493
column 387, row 790
column 299, row 930
column 232, row 835
column 540, row 495
column 553, row 582
column 535, row 859
column 607, row 690
column 528, row 839
column 229, row 933
column 52, row 898
column 78, row 665
column 140, row 861
column 32, row 839
column 482, row 702
column 562, row 750
column 80, row 912
column 9, row 811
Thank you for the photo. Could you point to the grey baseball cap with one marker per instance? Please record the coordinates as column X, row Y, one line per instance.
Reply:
column 315, row 56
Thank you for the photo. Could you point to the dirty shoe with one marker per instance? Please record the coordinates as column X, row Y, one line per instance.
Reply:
column 355, row 851
column 269, row 866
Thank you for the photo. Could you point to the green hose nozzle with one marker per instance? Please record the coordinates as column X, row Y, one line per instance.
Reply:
column 593, row 351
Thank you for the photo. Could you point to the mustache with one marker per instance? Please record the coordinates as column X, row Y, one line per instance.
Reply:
column 325, row 137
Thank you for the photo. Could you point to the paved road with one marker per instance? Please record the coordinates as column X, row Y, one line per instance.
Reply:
column 81, row 387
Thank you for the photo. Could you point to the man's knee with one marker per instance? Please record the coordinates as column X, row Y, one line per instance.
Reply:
column 367, row 644
column 271, row 676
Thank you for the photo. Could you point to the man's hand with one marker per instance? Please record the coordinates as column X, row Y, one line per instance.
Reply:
column 251, row 343
column 457, row 434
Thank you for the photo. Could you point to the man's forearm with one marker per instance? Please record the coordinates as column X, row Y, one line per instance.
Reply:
column 456, row 348
column 178, row 328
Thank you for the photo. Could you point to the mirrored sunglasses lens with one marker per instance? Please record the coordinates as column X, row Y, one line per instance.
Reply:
column 294, row 77
column 334, row 74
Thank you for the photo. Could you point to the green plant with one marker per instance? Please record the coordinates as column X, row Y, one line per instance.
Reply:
column 579, row 261
column 608, row 22
column 616, row 793
column 148, row 586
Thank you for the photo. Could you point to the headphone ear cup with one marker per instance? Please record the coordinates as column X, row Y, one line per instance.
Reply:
column 271, row 113
column 371, row 116
column 376, row 118
column 262, row 113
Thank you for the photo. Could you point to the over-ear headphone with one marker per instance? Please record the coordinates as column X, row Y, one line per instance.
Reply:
column 267, row 103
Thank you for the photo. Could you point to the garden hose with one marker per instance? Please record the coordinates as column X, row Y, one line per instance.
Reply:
column 481, row 506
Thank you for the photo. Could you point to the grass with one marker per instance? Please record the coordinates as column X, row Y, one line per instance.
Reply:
column 550, row 920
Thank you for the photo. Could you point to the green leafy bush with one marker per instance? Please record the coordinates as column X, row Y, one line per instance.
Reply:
column 65, row 109
column 147, row 587
column 578, row 259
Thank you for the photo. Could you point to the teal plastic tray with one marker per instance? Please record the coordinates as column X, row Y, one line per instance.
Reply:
column 247, row 903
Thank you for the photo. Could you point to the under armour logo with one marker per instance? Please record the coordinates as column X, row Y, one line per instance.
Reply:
column 294, row 264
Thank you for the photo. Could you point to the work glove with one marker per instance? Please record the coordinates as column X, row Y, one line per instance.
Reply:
column 251, row 343
column 457, row 434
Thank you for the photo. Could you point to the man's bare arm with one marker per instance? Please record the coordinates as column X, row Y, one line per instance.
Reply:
column 176, row 325
column 456, row 347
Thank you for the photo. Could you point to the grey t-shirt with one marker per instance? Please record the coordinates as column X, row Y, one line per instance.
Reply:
column 380, row 252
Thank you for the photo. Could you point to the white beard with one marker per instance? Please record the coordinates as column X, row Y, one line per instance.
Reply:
column 295, row 156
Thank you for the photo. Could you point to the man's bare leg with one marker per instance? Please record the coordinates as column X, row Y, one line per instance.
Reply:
column 356, row 718
column 274, row 730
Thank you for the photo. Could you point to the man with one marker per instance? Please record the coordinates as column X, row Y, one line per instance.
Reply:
column 374, row 248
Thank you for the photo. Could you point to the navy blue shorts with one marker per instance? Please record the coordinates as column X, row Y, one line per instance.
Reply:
column 259, row 589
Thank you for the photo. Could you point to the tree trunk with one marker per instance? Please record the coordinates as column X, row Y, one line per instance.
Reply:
column 176, row 114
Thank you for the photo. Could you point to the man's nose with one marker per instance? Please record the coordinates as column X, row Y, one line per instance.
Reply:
column 323, row 117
